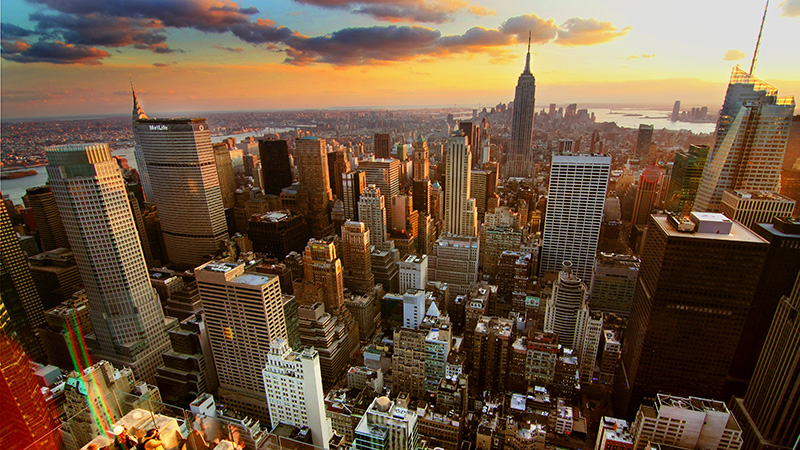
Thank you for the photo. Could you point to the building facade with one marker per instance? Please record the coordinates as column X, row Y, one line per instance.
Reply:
column 293, row 384
column 243, row 314
column 575, row 201
column 181, row 169
column 126, row 313
column 750, row 141
column 697, row 284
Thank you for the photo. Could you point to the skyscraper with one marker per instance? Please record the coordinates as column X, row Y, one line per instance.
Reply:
column 293, row 382
column 645, row 196
column 243, row 314
column 422, row 160
column 181, row 168
column 353, row 184
column 777, row 280
column 687, row 171
column 768, row 413
column 372, row 212
column 276, row 169
column 383, row 145
column 676, row 111
column 567, row 310
column 323, row 269
column 387, row 426
column 49, row 226
column 227, row 180
column 356, row 258
column 18, row 294
column 643, row 140
column 460, row 211
column 614, row 283
column 685, row 422
column 385, row 174
column 125, row 310
column 575, row 203
column 454, row 260
column 751, row 207
column 338, row 165
column 696, row 285
column 752, row 132
column 28, row 422
column 520, row 158
column 314, row 195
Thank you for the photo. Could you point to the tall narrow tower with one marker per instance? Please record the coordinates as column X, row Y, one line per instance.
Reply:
column 182, row 173
column 769, row 412
column 422, row 163
column 125, row 311
column 460, row 211
column 520, row 158
column 315, row 193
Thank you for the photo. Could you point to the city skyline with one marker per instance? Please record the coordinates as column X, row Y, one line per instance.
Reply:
column 76, row 58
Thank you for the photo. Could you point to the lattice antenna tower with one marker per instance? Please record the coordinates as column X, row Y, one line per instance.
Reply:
column 758, row 41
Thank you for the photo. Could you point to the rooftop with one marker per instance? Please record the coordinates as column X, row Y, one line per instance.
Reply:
column 758, row 195
column 737, row 233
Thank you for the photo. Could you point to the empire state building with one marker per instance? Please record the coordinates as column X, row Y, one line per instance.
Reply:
column 520, row 158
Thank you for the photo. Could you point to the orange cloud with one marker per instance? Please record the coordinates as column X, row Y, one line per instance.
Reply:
column 578, row 31
column 733, row 55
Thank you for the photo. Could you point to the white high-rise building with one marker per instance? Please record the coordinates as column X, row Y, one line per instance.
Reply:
column 592, row 333
column 386, row 425
column 686, row 423
column 182, row 173
column 460, row 214
column 243, row 314
column 575, row 203
column 414, row 308
column 293, row 383
column 372, row 212
column 568, row 310
column 751, row 137
column 413, row 272
column 125, row 310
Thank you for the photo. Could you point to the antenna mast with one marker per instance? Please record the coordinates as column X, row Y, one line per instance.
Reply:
column 758, row 42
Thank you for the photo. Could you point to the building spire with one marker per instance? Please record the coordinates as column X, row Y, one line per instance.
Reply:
column 138, row 112
column 758, row 41
column 528, row 56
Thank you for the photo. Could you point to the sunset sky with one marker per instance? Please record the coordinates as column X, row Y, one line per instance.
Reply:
column 74, row 57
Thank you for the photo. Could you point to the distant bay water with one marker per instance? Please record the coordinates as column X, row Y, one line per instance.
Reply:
column 15, row 188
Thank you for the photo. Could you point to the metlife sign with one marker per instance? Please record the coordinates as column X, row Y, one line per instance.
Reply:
column 173, row 126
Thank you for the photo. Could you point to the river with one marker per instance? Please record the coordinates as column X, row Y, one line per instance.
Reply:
column 15, row 189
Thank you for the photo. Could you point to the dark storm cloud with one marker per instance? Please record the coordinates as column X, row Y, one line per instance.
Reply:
column 359, row 46
column 56, row 52
column 78, row 25
column 94, row 29
column 355, row 46
column 9, row 30
column 428, row 11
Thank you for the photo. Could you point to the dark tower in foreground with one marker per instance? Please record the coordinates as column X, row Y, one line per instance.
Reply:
column 770, row 412
column 19, row 299
column 520, row 154
column 697, row 282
